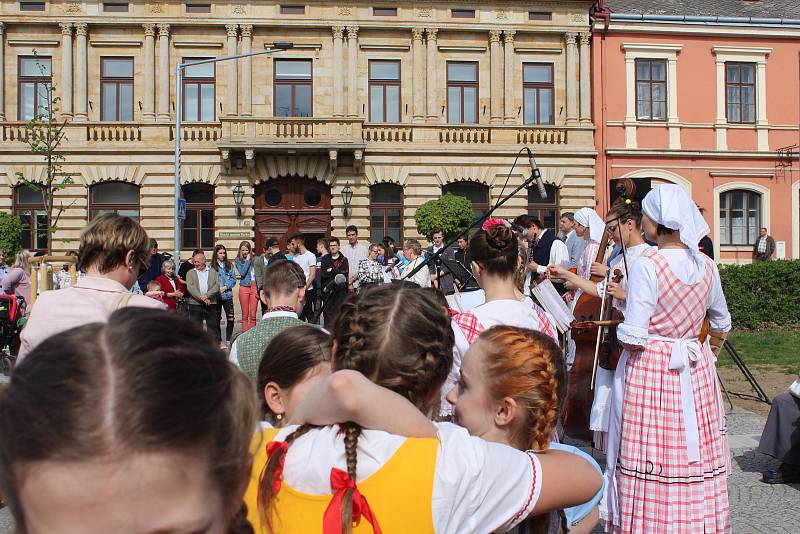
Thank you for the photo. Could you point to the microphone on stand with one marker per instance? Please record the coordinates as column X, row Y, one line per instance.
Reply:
column 339, row 280
column 537, row 174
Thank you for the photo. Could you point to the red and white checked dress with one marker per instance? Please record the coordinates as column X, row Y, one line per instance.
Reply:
column 657, row 488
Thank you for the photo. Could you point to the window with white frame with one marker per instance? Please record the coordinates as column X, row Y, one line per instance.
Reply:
column 739, row 217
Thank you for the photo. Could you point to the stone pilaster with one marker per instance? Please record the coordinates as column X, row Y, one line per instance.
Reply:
column 496, row 78
column 431, row 74
column 247, row 70
column 149, row 111
column 81, row 100
column 572, row 77
column 2, row 73
column 352, row 71
column 586, row 82
column 65, row 86
column 163, row 72
column 508, row 63
column 338, row 71
column 232, row 31
column 418, row 63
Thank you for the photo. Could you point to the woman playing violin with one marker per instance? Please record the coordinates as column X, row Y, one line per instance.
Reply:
column 624, row 225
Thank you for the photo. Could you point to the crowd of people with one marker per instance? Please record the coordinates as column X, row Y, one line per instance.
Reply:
column 432, row 400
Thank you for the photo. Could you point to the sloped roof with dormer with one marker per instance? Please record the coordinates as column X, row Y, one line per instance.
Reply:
column 755, row 9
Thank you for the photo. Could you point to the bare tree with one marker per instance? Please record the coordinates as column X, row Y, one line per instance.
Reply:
column 44, row 136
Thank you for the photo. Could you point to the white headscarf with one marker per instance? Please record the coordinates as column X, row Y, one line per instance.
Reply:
column 590, row 219
column 672, row 207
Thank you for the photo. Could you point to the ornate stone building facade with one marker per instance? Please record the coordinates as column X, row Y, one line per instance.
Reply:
column 396, row 103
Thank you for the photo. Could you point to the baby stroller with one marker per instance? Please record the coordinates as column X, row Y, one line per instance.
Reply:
column 11, row 312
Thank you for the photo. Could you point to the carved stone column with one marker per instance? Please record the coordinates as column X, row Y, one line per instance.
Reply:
column 352, row 71
column 163, row 72
column 496, row 82
column 338, row 71
column 572, row 77
column 66, row 69
column 233, row 76
column 81, row 29
column 586, row 82
column 247, row 70
column 508, row 63
column 2, row 73
column 430, row 72
column 418, row 62
column 149, row 111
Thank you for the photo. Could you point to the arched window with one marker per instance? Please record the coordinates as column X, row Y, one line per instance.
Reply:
column 476, row 193
column 198, row 227
column 544, row 209
column 739, row 217
column 30, row 208
column 114, row 197
column 386, row 212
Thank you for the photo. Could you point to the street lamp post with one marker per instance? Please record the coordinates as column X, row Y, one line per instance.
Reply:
column 276, row 47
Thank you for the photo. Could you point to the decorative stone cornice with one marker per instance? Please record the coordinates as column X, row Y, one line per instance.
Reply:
column 338, row 32
column 81, row 28
column 416, row 33
column 149, row 30
column 352, row 32
column 247, row 30
column 66, row 28
column 231, row 29
column 163, row 30
column 494, row 36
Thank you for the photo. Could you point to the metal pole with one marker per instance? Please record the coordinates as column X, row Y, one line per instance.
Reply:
column 277, row 47
column 178, row 112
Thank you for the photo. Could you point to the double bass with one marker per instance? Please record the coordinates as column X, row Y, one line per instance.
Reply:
column 594, row 334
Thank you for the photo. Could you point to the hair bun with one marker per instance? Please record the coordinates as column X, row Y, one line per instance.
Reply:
column 499, row 237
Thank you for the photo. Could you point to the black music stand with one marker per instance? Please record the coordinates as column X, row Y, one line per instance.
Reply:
column 457, row 270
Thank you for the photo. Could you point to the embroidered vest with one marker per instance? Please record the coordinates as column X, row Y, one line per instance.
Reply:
column 399, row 493
column 251, row 344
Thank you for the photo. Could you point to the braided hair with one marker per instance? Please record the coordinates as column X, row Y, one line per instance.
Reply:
column 399, row 337
column 529, row 367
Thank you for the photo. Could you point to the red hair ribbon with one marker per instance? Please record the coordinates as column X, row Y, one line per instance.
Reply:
column 332, row 520
column 272, row 448
column 491, row 223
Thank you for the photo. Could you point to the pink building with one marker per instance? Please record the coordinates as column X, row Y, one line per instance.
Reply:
column 705, row 95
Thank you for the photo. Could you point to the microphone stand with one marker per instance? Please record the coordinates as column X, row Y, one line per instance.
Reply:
column 477, row 222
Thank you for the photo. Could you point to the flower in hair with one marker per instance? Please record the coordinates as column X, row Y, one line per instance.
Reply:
column 492, row 222
column 628, row 201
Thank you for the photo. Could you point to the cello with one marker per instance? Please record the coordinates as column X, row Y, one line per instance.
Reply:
column 594, row 334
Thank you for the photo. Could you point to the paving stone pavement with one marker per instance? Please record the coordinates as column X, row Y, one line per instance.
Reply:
column 756, row 507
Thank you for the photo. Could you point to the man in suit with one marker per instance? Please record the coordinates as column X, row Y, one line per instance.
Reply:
column 203, row 287
column 764, row 247
column 544, row 249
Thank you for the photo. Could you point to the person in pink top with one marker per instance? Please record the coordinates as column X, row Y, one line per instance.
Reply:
column 113, row 251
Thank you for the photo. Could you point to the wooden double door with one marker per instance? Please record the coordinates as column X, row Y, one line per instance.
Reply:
column 291, row 205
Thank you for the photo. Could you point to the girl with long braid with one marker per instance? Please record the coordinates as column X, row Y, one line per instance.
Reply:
column 325, row 479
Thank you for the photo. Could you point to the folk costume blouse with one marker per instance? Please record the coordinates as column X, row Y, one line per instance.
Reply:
column 455, row 484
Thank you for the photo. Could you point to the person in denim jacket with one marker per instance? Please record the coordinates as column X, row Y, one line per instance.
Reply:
column 226, row 274
column 248, row 284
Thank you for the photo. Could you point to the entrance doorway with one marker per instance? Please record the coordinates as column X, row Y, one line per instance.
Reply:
column 291, row 205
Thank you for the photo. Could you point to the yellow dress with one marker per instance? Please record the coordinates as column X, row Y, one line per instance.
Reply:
column 399, row 493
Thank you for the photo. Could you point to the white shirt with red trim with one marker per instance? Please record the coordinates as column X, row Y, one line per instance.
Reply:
column 468, row 326
column 477, row 487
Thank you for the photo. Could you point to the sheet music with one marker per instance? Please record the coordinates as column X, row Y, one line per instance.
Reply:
column 552, row 302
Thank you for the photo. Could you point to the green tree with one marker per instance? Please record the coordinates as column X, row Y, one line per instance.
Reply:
column 10, row 233
column 44, row 136
column 451, row 213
